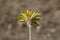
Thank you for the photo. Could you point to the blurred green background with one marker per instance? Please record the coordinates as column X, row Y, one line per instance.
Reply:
column 49, row 23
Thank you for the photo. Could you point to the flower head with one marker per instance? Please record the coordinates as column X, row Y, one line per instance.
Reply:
column 28, row 15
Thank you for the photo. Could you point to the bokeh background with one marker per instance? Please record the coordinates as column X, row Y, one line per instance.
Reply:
column 49, row 28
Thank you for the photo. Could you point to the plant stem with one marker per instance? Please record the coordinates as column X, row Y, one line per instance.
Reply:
column 29, row 26
column 29, row 33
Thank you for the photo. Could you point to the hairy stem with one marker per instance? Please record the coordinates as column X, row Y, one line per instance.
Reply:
column 29, row 26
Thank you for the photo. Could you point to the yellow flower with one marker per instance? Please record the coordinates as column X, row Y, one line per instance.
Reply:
column 34, row 17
